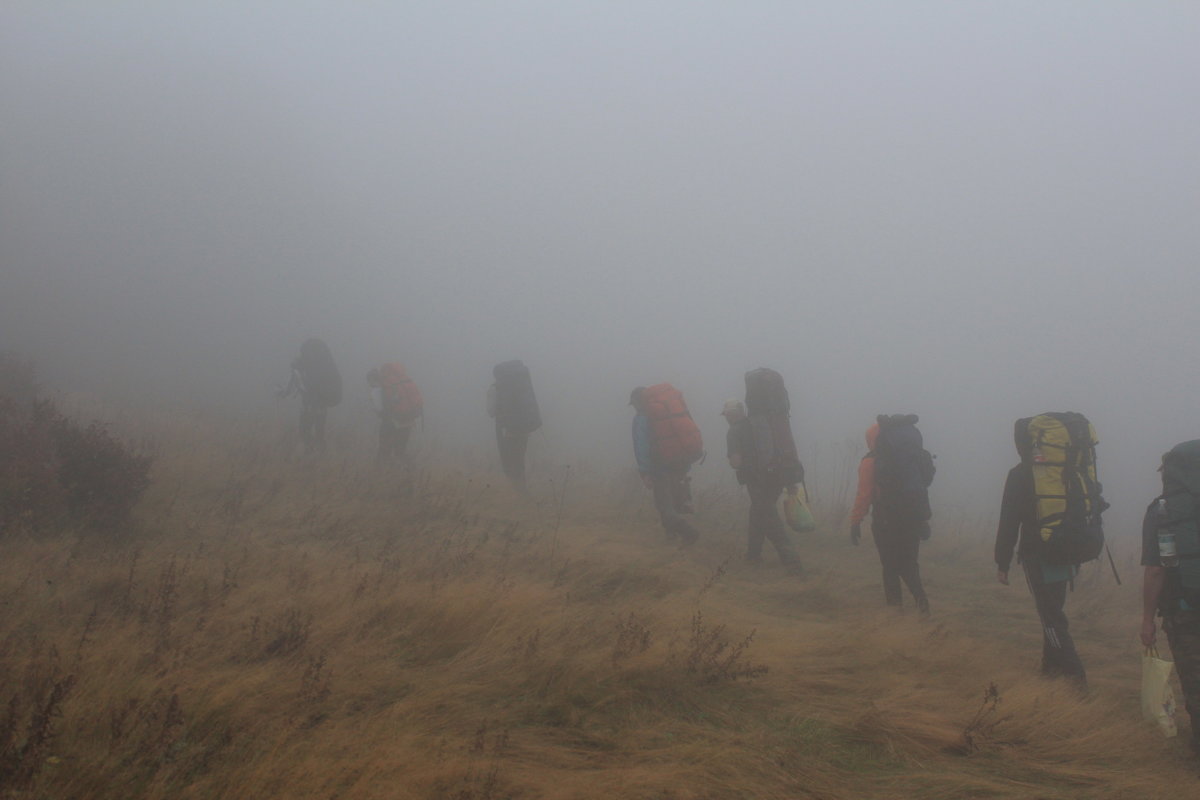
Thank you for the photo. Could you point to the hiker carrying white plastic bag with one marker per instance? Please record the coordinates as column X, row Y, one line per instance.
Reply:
column 1158, row 701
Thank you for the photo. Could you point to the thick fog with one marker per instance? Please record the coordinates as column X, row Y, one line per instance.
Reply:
column 971, row 211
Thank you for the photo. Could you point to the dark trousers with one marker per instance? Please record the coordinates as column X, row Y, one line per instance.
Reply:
column 393, row 439
column 1183, row 634
column 765, row 524
column 1059, row 659
column 899, row 544
column 672, row 495
column 512, row 454
column 312, row 427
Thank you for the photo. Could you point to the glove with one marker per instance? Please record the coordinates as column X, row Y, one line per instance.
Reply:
column 855, row 533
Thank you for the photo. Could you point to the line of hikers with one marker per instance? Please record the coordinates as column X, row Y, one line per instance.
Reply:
column 1050, row 514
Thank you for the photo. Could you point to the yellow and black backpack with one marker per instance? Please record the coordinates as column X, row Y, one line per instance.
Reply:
column 1060, row 449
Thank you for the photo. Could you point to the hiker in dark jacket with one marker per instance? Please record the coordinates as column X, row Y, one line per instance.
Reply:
column 763, row 485
column 315, row 378
column 512, row 403
column 897, row 535
column 1018, row 530
column 1164, row 591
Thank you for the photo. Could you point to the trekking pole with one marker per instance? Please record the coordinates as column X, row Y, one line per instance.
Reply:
column 1112, row 564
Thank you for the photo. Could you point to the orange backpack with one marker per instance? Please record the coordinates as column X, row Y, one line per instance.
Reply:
column 676, row 439
column 401, row 397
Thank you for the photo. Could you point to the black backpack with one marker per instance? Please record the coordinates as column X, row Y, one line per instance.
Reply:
column 903, row 469
column 321, row 379
column 768, row 409
column 516, row 405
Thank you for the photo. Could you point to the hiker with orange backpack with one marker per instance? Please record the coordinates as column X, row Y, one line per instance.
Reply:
column 666, row 442
column 398, row 402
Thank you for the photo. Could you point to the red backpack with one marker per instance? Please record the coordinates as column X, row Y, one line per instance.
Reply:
column 676, row 439
column 401, row 397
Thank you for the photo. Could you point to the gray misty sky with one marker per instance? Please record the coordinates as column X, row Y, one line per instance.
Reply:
column 971, row 210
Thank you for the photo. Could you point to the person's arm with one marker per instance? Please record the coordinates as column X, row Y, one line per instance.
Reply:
column 1152, row 586
column 1009, row 529
column 866, row 491
column 641, row 445
column 733, row 450
column 293, row 384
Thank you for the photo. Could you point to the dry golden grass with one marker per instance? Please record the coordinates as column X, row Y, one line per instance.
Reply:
column 278, row 629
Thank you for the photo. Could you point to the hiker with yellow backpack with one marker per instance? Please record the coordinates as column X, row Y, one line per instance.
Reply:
column 1171, row 557
column 666, row 442
column 1051, row 515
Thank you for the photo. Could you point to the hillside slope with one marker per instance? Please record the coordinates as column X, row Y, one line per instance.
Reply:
column 327, row 630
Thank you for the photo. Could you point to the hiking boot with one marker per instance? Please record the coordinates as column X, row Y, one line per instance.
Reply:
column 923, row 607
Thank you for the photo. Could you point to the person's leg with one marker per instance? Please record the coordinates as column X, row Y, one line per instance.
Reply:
column 1059, row 657
column 1183, row 634
column 908, row 546
column 307, row 427
column 386, row 439
column 502, row 448
column 400, row 440
column 755, row 530
column 683, row 494
column 518, row 444
column 665, row 495
column 885, row 543
column 319, row 415
column 512, row 456
column 772, row 526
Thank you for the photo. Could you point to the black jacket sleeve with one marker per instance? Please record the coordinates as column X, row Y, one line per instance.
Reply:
column 1014, row 509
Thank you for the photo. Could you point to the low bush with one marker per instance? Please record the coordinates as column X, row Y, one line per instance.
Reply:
column 52, row 468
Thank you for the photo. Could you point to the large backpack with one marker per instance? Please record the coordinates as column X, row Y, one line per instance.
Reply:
column 1061, row 451
column 903, row 470
column 1181, row 490
column 768, row 409
column 321, row 379
column 516, row 405
column 402, row 399
column 675, row 438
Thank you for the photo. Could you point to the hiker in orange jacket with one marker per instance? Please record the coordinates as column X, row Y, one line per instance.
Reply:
column 866, row 486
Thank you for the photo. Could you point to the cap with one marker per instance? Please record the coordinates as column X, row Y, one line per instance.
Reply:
column 733, row 407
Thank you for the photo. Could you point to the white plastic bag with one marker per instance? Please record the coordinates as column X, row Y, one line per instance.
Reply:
column 1158, row 701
